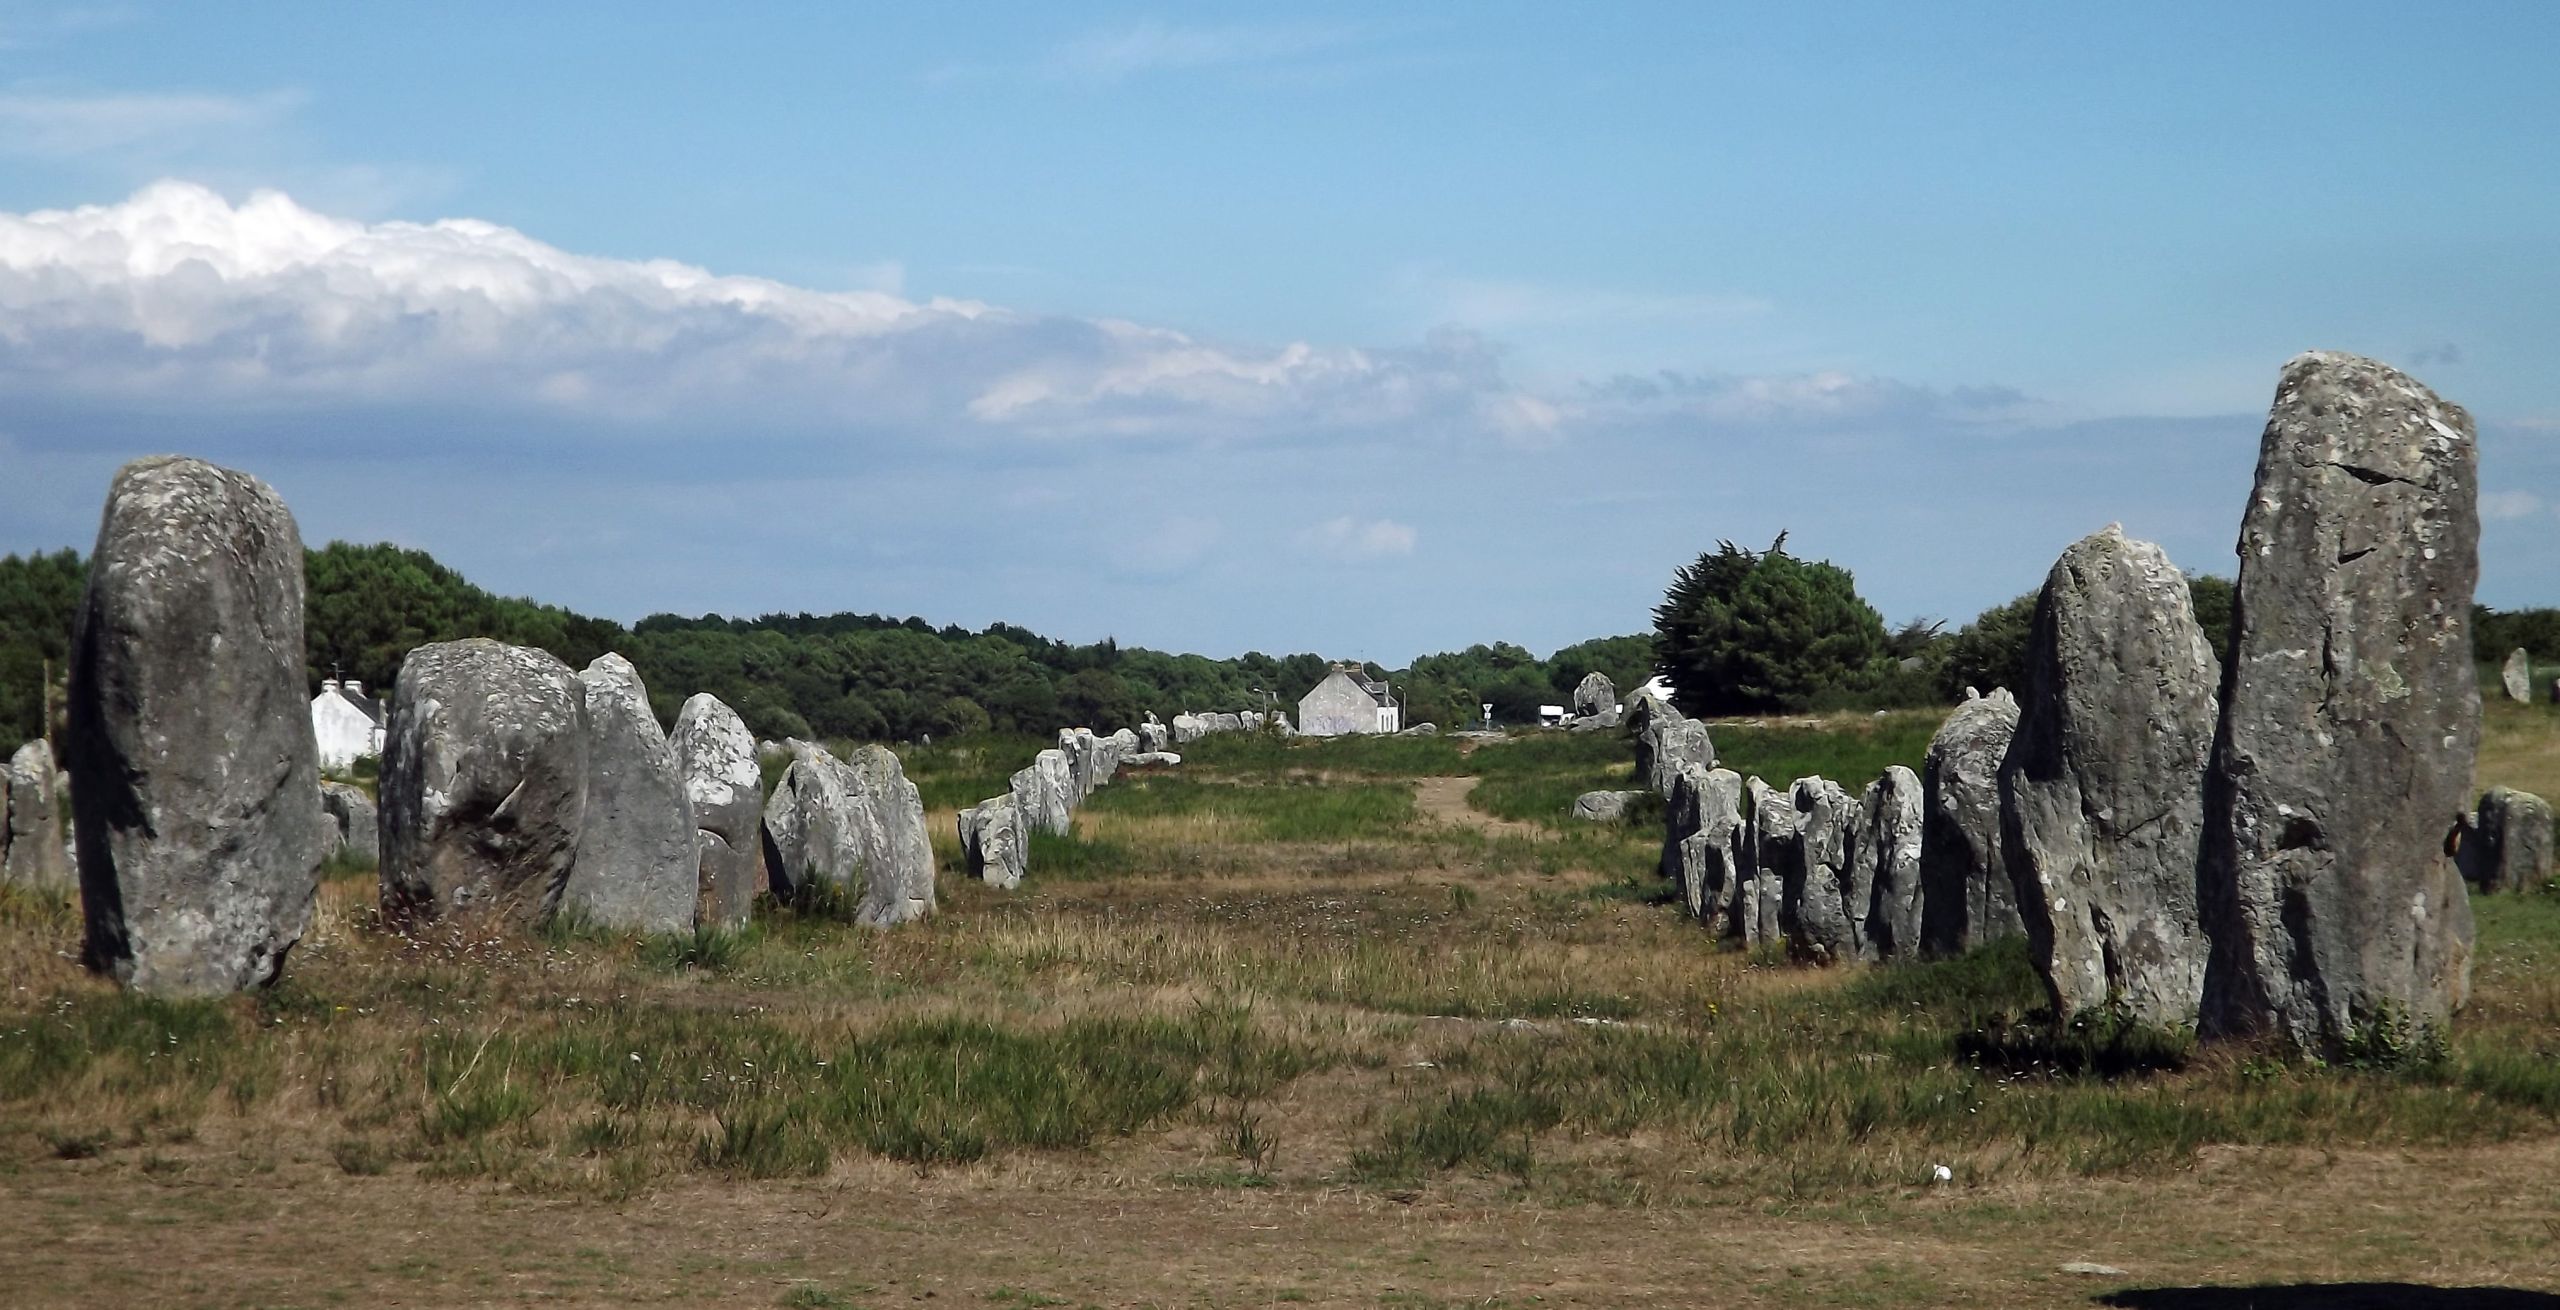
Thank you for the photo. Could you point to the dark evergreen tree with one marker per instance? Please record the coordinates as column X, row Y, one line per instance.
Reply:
column 1743, row 631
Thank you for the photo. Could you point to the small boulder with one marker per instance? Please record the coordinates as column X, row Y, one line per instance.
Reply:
column 638, row 863
column 1594, row 695
column 484, row 783
column 2508, row 847
column 1603, row 806
column 195, row 770
column 994, row 842
column 358, row 820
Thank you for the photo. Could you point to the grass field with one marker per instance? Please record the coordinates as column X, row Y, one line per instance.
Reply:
column 1284, row 1026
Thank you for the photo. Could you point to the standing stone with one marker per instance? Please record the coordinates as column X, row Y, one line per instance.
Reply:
column 358, row 820
column 484, row 783
column 2352, row 720
column 994, row 841
column 2508, row 849
column 1040, row 797
column 1667, row 742
column 856, row 825
column 195, row 774
column 1822, row 906
column 1702, row 846
column 2518, row 677
column 638, row 862
column 1884, row 855
column 2102, row 792
column 35, row 857
column 1188, row 728
column 1595, row 694
column 1776, row 841
column 716, row 756
column 1966, row 900
column 1153, row 738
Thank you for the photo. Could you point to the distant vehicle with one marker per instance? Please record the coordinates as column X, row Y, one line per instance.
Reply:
column 1551, row 715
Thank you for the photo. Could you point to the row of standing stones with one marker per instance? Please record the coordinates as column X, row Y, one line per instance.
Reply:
column 995, row 834
column 512, row 788
column 2276, row 848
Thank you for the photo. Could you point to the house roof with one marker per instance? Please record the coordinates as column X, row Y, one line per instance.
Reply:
column 365, row 705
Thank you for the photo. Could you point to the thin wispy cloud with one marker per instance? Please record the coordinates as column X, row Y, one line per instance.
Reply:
column 1351, row 540
column 64, row 126
column 1155, row 47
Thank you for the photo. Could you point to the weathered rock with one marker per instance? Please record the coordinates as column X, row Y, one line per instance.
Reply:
column 1703, row 843
column 1151, row 760
column 1040, row 795
column 1884, row 856
column 1124, row 743
column 358, row 819
column 1153, row 738
column 1076, row 744
column 716, row 757
column 1595, row 694
column 1821, row 907
column 484, row 783
column 2352, row 717
column 995, row 843
column 1667, row 743
column 34, row 838
column 195, row 773
column 1224, row 721
column 1421, row 730
column 638, row 863
column 856, row 825
column 2102, row 791
column 1188, row 728
column 1965, row 896
column 2508, row 848
column 2518, row 677
column 1776, row 839
column 1603, row 806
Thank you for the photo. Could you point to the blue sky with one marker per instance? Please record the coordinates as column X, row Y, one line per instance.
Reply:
column 1361, row 329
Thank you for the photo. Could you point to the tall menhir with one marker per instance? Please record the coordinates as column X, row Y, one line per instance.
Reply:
column 194, row 776
column 2350, row 718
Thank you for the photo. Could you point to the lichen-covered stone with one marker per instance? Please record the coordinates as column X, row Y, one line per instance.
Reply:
column 638, row 862
column 195, row 773
column 1776, row 832
column 1822, row 906
column 855, row 824
column 716, row 757
column 1603, row 806
column 1965, row 897
column 484, row 783
column 1884, row 857
column 358, row 819
column 995, row 843
column 2517, row 676
column 2102, row 793
column 31, row 848
column 2352, row 717
column 1594, row 695
column 2508, row 848
column 1665, row 743
column 1703, row 841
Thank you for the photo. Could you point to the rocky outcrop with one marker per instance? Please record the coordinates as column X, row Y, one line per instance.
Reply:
column 716, row 757
column 994, row 842
column 195, row 773
column 31, row 849
column 1703, row 843
column 637, row 866
column 1822, row 906
column 357, row 819
column 2518, row 676
column 1965, row 896
column 1667, row 742
column 1603, row 806
column 856, row 827
column 2508, row 846
column 2102, row 791
column 1594, row 695
column 2352, row 716
column 484, row 783
column 1884, row 857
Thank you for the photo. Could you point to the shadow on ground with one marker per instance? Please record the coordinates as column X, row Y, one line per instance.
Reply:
column 2332, row 1296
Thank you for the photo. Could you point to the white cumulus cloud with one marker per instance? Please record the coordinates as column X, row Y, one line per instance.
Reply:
column 2509, row 504
column 1350, row 540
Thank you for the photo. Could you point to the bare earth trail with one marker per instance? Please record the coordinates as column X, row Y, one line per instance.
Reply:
column 1444, row 800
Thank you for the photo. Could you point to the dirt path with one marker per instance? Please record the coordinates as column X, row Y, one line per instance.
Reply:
column 1444, row 800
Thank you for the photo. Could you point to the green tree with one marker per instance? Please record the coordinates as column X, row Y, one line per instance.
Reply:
column 1743, row 631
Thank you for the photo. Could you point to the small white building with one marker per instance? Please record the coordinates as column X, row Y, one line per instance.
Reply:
column 347, row 722
column 1348, row 703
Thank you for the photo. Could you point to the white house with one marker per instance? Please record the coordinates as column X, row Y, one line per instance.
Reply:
column 1347, row 702
column 347, row 722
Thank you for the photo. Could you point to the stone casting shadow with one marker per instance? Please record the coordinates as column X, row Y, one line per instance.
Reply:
column 2331, row 1296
